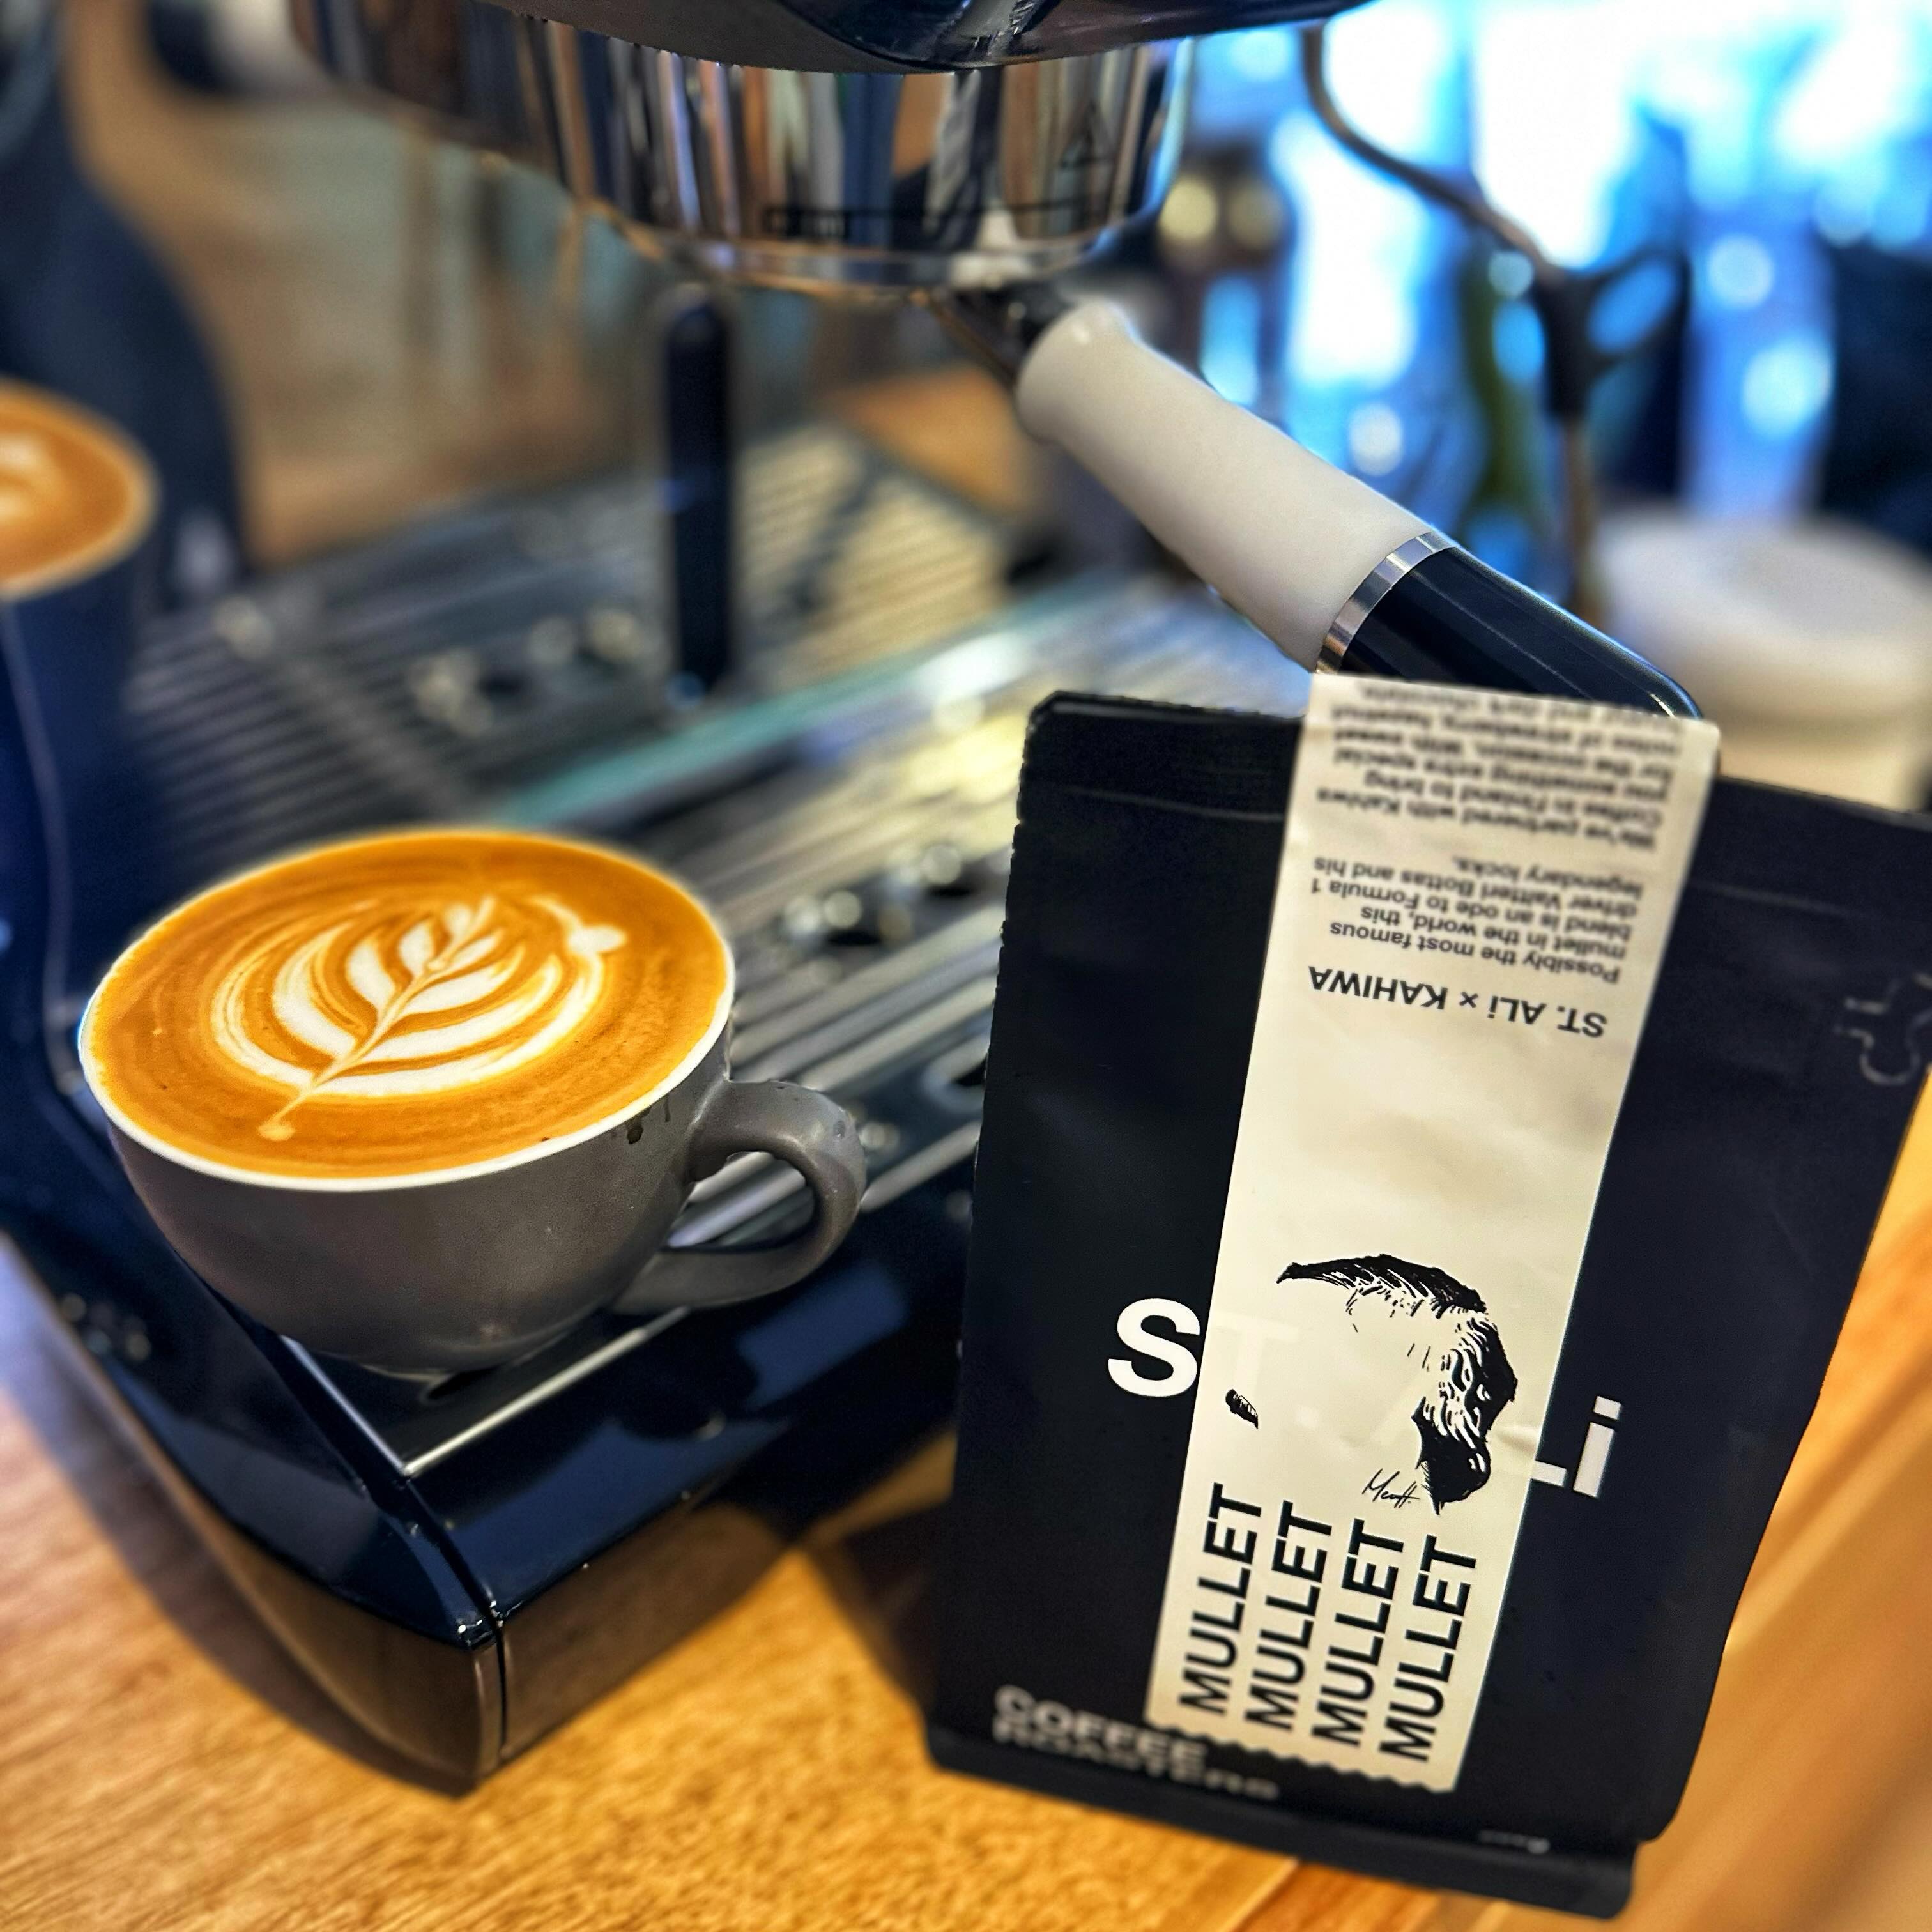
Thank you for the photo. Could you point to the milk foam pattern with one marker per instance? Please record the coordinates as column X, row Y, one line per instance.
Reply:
column 386, row 1001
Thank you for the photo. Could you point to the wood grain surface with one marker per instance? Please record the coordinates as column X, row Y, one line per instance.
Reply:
column 163, row 1765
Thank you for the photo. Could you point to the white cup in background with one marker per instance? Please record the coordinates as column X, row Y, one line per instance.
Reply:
column 1810, row 643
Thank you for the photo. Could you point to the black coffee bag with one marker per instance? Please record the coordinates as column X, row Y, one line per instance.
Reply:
column 1772, row 1083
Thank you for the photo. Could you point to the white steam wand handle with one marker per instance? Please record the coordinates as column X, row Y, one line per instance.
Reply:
column 1285, row 538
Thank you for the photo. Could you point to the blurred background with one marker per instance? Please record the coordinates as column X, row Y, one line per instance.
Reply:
column 394, row 324
column 1655, row 336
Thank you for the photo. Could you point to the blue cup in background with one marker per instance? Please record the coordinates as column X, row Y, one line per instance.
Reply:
column 78, row 501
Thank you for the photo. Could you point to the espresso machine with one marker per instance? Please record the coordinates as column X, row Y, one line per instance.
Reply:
column 965, row 152
column 463, row 1564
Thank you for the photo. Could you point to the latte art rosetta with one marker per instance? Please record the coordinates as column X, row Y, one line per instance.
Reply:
column 415, row 1003
column 454, row 998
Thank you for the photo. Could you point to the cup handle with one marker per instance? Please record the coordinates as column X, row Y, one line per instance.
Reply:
column 807, row 1130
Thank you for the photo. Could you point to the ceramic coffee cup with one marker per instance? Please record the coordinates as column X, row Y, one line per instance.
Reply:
column 306, row 1179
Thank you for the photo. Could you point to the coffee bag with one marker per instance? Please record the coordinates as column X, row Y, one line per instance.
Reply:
column 1775, row 1073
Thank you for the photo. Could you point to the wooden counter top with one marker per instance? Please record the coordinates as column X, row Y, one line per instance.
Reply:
column 163, row 1765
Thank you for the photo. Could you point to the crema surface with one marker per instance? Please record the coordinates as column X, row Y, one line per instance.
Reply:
column 72, row 494
column 404, row 1004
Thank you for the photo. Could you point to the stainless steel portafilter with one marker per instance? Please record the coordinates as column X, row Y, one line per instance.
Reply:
column 858, row 182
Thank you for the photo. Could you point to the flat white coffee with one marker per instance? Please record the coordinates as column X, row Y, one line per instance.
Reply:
column 405, row 1005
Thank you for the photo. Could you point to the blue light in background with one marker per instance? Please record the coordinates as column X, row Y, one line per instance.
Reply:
column 1555, row 114
column 1230, row 334
column 1636, row 302
column 1361, row 243
column 1787, row 385
column 1377, row 441
column 1241, row 79
column 1860, row 84
column 1260, row 55
column 1518, row 343
column 1795, row 122
column 1366, row 309
column 1739, row 272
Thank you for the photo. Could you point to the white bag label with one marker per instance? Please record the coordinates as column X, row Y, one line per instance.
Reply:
column 1474, row 895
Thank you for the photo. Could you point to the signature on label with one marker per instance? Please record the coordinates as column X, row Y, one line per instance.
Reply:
column 1396, row 1487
